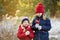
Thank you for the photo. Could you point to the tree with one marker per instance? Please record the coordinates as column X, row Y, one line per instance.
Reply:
column 8, row 6
column 52, row 6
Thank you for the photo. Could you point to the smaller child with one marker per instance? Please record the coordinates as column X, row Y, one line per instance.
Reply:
column 24, row 31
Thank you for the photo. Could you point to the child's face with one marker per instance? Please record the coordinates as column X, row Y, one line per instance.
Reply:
column 25, row 23
column 39, row 14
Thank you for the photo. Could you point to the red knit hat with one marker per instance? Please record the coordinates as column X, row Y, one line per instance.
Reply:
column 39, row 8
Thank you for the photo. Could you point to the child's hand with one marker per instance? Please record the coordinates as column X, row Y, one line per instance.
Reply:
column 27, row 33
column 39, row 27
column 24, row 30
column 37, row 21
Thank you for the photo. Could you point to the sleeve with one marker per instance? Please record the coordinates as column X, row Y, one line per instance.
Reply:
column 31, row 34
column 33, row 25
column 47, row 27
column 20, row 34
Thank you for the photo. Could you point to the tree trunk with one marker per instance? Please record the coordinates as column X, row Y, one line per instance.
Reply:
column 53, row 8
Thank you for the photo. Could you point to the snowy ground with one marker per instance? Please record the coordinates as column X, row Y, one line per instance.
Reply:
column 55, row 23
column 55, row 31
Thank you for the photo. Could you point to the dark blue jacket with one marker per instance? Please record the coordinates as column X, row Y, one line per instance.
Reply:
column 43, row 33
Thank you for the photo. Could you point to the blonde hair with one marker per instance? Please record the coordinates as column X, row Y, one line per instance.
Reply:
column 44, row 16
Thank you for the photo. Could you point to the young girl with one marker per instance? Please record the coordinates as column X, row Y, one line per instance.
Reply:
column 40, row 24
column 24, row 31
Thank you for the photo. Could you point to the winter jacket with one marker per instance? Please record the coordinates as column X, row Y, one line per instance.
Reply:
column 43, row 33
column 21, row 34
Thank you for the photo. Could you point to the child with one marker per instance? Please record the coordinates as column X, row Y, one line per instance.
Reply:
column 41, row 24
column 25, row 32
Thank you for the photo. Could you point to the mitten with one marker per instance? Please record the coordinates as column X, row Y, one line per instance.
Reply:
column 39, row 27
column 27, row 33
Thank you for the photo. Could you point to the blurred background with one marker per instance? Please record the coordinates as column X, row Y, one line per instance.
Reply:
column 11, row 12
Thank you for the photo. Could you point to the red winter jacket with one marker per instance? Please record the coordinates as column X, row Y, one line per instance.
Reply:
column 21, row 34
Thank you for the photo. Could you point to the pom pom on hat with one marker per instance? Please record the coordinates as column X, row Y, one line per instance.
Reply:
column 39, row 8
column 24, row 17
